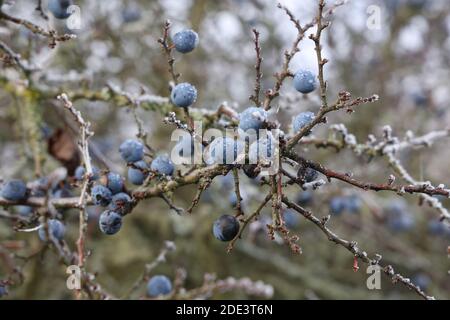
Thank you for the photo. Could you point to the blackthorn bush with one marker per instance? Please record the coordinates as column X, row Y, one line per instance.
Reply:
column 88, row 117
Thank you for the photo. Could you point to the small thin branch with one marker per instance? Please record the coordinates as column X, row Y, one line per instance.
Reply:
column 318, row 47
column 355, row 250
column 169, row 246
column 52, row 35
column 344, row 101
column 171, row 205
column 164, row 42
column 85, row 134
column 247, row 220
column 22, row 64
column 239, row 211
column 255, row 96
column 41, row 10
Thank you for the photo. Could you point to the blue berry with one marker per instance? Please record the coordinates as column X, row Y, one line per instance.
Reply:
column 114, row 182
column 3, row 290
column 101, row 195
column 59, row 8
column 185, row 41
column 422, row 280
column 353, row 204
column 138, row 174
column 302, row 120
column 263, row 149
column 183, row 95
column 131, row 14
column 56, row 230
column 337, row 205
column 252, row 118
column 63, row 191
column 291, row 219
column 110, row 222
column 23, row 211
column 251, row 170
column 14, row 190
column 224, row 150
column 226, row 228
column 121, row 203
column 305, row 81
column 80, row 170
column 307, row 174
column 163, row 165
column 159, row 285
column 398, row 216
column 131, row 150
column 304, row 198
column 39, row 187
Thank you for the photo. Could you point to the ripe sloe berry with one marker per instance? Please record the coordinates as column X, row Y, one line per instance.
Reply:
column 56, row 230
column 59, row 8
column 163, row 165
column 80, row 170
column 101, row 195
column 121, row 203
column 183, row 95
column 14, row 190
column 305, row 81
column 226, row 228
column 138, row 174
column 307, row 174
column 131, row 150
column 114, row 182
column 159, row 285
column 110, row 222
column 302, row 120
column 252, row 118
column 185, row 41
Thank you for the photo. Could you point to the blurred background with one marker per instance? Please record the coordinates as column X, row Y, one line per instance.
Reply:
column 406, row 61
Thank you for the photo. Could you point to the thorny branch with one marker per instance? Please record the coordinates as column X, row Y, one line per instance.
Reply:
column 85, row 134
column 255, row 96
column 355, row 250
column 51, row 34
column 204, row 175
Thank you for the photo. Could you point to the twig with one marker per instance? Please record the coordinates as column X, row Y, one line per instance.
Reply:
column 85, row 134
column 51, row 35
column 22, row 64
column 169, row 246
column 255, row 96
column 168, row 51
column 355, row 250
